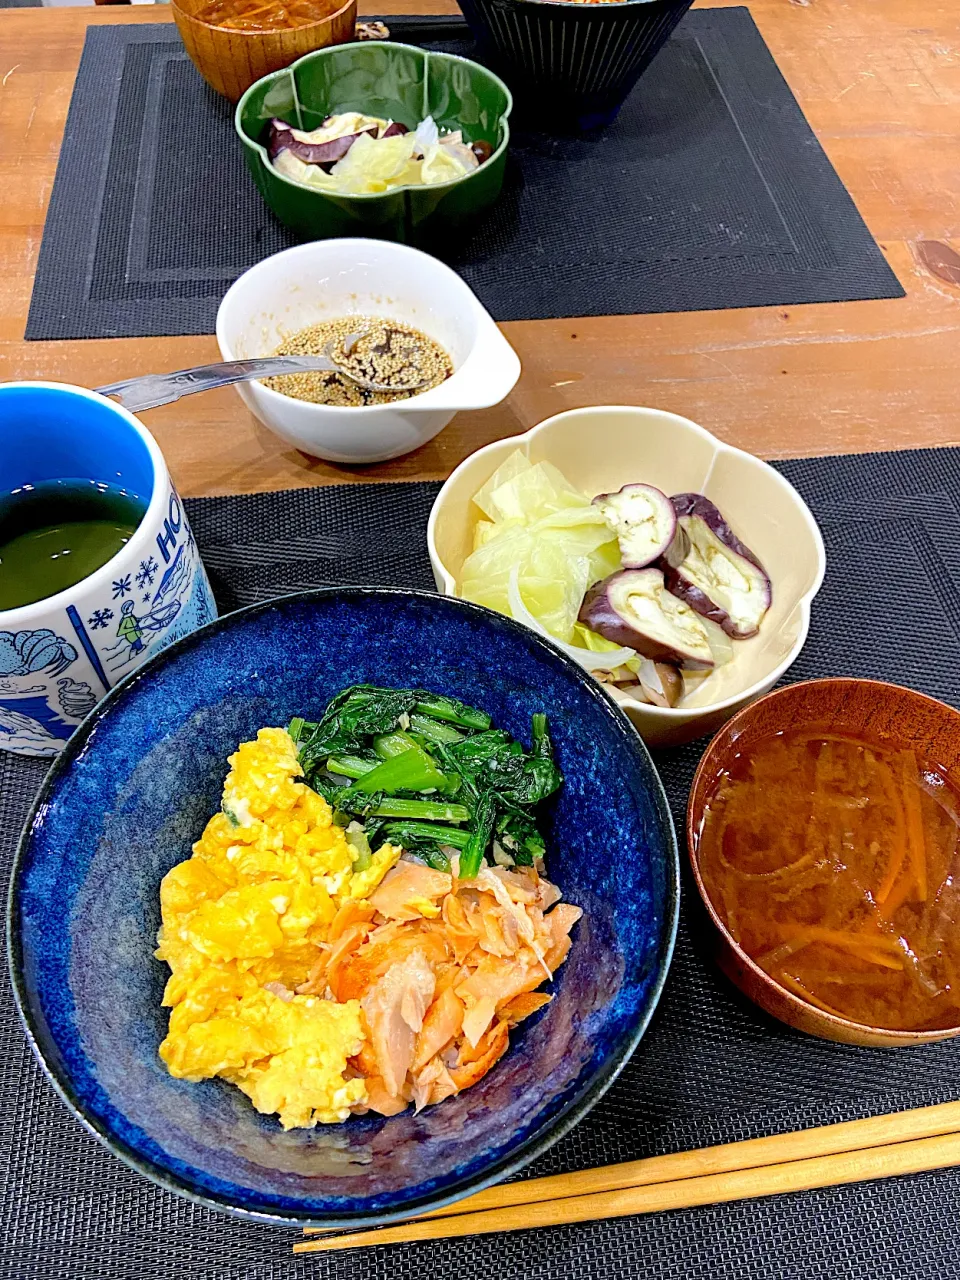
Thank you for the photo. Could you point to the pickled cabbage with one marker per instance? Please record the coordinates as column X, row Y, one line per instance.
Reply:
column 357, row 154
column 442, row 164
column 538, row 545
column 560, row 543
column 374, row 164
column 339, row 126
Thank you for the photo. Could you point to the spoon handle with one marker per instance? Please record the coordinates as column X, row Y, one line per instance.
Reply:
column 163, row 388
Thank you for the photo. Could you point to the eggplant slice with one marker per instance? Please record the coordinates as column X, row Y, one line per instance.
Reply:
column 283, row 137
column 645, row 522
column 633, row 608
column 720, row 577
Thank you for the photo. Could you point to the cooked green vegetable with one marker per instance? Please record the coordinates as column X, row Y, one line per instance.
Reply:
column 377, row 754
column 357, row 838
column 410, row 833
column 393, row 744
column 520, row 838
column 432, row 730
column 350, row 720
column 428, row 810
column 412, row 770
column 438, row 708
column 350, row 766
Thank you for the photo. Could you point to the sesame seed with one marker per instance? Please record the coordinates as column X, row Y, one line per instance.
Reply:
column 387, row 351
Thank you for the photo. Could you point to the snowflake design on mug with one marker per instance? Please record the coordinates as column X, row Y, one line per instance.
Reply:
column 99, row 618
column 147, row 572
column 122, row 586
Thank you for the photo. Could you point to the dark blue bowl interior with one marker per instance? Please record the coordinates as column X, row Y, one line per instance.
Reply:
column 134, row 789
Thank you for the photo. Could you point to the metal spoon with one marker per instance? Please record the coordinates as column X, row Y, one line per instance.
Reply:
column 154, row 389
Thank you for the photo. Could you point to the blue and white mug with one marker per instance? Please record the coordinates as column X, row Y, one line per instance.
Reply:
column 59, row 656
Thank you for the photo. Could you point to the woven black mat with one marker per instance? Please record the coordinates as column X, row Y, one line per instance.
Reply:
column 711, row 1069
column 710, row 190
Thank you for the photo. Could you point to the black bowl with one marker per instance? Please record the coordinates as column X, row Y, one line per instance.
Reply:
column 568, row 63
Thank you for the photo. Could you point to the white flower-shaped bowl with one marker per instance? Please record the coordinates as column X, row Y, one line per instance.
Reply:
column 332, row 279
column 600, row 449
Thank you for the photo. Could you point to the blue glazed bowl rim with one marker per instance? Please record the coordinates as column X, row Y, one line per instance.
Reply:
column 512, row 1162
column 363, row 196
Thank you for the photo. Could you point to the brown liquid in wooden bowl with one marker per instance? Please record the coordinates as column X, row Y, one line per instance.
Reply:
column 832, row 859
column 233, row 43
column 261, row 15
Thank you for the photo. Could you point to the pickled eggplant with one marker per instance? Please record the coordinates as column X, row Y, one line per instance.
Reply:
column 719, row 577
column 634, row 609
column 645, row 522
column 322, row 147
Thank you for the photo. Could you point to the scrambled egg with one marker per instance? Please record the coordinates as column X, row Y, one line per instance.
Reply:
column 243, row 923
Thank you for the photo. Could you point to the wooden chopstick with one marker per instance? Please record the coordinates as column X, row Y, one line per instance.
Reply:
column 709, row 1164
column 773, row 1179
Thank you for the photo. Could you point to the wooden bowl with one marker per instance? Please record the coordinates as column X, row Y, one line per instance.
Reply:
column 231, row 61
column 887, row 714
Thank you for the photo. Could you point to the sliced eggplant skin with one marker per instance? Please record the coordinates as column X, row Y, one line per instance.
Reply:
column 679, row 585
column 644, row 520
column 324, row 154
column 695, row 504
column 657, row 625
column 703, row 522
column 279, row 137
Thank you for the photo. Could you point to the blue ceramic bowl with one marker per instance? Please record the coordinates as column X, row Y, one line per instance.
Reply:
column 134, row 788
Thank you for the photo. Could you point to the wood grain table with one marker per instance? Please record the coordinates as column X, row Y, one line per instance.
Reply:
column 879, row 81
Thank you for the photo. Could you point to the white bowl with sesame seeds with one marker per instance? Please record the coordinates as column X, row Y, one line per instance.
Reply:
column 332, row 279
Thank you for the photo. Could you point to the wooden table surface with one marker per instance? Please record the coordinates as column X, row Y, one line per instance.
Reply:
column 879, row 81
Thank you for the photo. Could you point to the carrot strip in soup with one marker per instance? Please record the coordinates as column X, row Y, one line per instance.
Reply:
column 895, row 900
column 900, row 834
column 915, row 840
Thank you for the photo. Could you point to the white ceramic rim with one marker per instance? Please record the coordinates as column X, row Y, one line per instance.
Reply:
column 441, row 394
column 11, row 619
column 667, row 714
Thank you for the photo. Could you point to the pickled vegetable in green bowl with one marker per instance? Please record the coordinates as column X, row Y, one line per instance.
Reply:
column 354, row 154
column 394, row 82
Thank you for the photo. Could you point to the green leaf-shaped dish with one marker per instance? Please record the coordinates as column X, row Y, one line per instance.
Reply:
column 396, row 81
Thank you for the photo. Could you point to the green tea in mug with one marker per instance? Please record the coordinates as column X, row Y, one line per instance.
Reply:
column 55, row 533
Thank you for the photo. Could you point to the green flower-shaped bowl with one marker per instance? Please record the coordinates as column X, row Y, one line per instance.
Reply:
column 398, row 82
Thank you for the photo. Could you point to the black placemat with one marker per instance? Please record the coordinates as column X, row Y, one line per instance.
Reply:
column 710, row 190
column 711, row 1069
